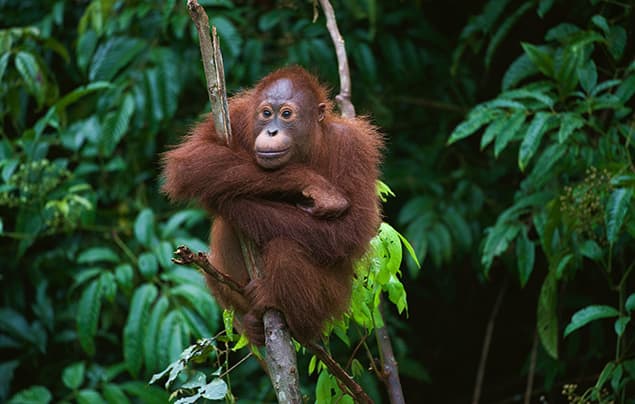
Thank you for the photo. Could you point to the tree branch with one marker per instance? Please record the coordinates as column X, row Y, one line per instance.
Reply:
column 185, row 256
column 359, row 395
column 344, row 97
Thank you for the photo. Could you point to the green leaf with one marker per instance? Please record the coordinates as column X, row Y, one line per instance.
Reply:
column 114, row 394
column 88, row 311
column 144, row 227
column 626, row 89
column 4, row 62
column 588, row 76
column 80, row 92
column 617, row 41
column 89, row 396
column 150, row 348
column 116, row 125
column 148, row 265
column 630, row 303
column 32, row 395
column 97, row 254
column 525, row 254
column 496, row 127
column 496, row 242
column 588, row 314
column 214, row 390
column 620, row 325
column 519, row 70
column 113, row 55
column 73, row 375
column 135, row 328
column 592, row 250
column 547, row 317
column 503, row 30
column 540, row 57
column 616, row 209
column 510, row 130
column 601, row 23
column 606, row 373
column 569, row 122
column 543, row 7
column 476, row 119
column 532, row 138
column 32, row 75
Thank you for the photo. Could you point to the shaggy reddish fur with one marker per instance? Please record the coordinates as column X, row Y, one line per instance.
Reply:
column 306, row 260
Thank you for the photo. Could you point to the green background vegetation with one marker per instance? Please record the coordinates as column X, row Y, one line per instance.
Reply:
column 510, row 130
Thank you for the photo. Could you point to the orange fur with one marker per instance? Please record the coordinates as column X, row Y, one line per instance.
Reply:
column 307, row 260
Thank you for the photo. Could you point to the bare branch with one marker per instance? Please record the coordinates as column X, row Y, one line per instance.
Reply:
column 213, row 67
column 359, row 395
column 281, row 358
column 344, row 97
column 389, row 366
column 185, row 256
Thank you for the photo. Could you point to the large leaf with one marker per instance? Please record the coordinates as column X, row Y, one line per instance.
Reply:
column 532, row 138
column 547, row 317
column 525, row 255
column 113, row 55
column 32, row 75
column 88, row 311
column 588, row 314
column 616, row 208
column 134, row 332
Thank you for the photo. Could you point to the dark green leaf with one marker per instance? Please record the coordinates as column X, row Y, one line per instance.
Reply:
column 617, row 41
column 532, row 138
column 569, row 122
column 588, row 314
column 150, row 349
column 547, row 317
column 97, row 254
column 510, row 131
column 525, row 254
column 617, row 207
column 113, row 55
column 540, row 57
column 144, row 227
column 116, row 125
column 519, row 70
column 89, row 396
column 73, row 375
column 592, row 250
column 4, row 62
column 626, row 89
column 588, row 76
column 476, row 119
column 134, row 332
column 503, row 30
column 606, row 374
column 600, row 22
column 32, row 395
column 88, row 311
column 114, row 394
column 148, row 265
column 630, row 303
column 32, row 75
column 544, row 6
column 620, row 325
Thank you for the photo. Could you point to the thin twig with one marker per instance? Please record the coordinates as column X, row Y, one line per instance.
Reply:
column 344, row 97
column 532, row 370
column 389, row 366
column 359, row 395
column 487, row 341
column 185, row 256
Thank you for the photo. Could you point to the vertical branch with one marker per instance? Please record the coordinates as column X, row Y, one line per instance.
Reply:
column 344, row 97
column 281, row 359
column 389, row 367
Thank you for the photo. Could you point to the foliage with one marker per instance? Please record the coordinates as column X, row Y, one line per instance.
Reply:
column 565, row 110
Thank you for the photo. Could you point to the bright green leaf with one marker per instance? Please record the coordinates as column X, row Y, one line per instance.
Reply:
column 73, row 375
column 144, row 227
column 89, row 396
column 588, row 314
column 32, row 395
column 97, row 254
